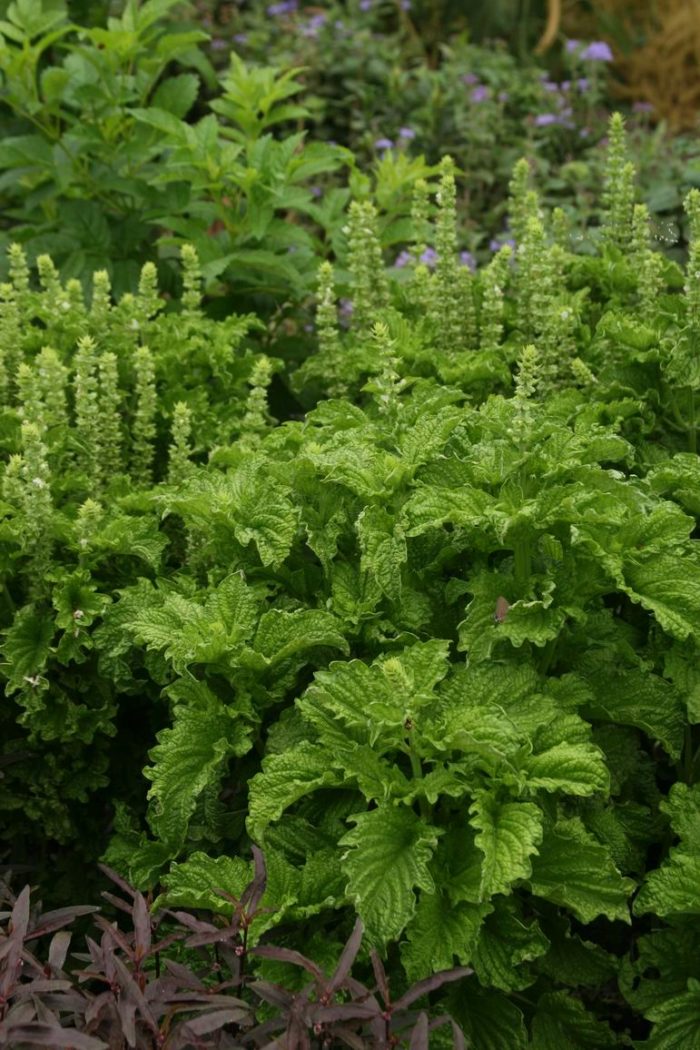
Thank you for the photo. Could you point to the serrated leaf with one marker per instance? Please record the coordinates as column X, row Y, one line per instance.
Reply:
column 439, row 933
column 285, row 778
column 26, row 647
column 576, row 769
column 506, row 942
column 189, row 757
column 489, row 1019
column 575, row 871
column 562, row 1022
column 191, row 884
column 383, row 547
column 676, row 1021
column 387, row 860
column 508, row 835
column 674, row 888
column 282, row 634
column 669, row 587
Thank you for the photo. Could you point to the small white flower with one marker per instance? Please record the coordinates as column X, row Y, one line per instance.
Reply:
column 38, row 483
column 133, row 324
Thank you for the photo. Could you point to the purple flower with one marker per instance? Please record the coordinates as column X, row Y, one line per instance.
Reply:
column 543, row 120
column 642, row 107
column 429, row 257
column 470, row 78
column 467, row 259
column 315, row 23
column 217, row 44
column 550, row 85
column 405, row 5
column 565, row 85
column 598, row 51
column 284, row 7
column 583, row 84
column 240, row 38
column 383, row 144
column 495, row 244
column 572, row 45
column 402, row 259
column 584, row 133
column 345, row 311
column 407, row 133
column 316, row 191
column 365, row 5
column 503, row 96
column 480, row 93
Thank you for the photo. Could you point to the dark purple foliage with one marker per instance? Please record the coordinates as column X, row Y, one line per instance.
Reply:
column 132, row 992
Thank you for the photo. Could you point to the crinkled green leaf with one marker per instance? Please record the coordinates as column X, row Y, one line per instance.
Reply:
column 192, row 883
column 285, row 778
column 676, row 1021
column 189, row 757
column 575, row 769
column 507, row 942
column 563, row 1023
column 282, row 634
column 576, row 871
column 508, row 834
column 674, row 888
column 439, row 933
column 388, row 857
column 26, row 648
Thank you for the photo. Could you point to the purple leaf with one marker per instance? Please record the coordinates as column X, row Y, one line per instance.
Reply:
column 288, row 955
column 430, row 984
column 347, row 958
column 215, row 1019
column 142, row 928
column 419, row 1035
column 45, row 1035
column 380, row 975
column 54, row 920
column 58, row 949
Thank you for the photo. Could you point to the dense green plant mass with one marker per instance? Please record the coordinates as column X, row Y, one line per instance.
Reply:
column 432, row 645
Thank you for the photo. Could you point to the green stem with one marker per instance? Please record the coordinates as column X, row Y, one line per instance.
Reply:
column 687, row 758
column 521, row 552
column 417, row 771
column 692, row 431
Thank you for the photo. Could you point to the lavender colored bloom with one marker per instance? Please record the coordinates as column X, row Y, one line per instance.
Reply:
column 314, row 25
column 217, row 44
column 467, row 259
column 480, row 93
column 284, row 7
column 495, row 244
column 642, row 107
column 405, row 5
column 365, row 5
column 565, row 85
column 429, row 257
column 583, row 84
column 345, row 311
column 407, row 133
column 383, row 144
column 572, row 45
column 543, row 120
column 240, row 38
column 470, row 78
column 316, row 191
column 584, row 133
column 550, row 85
column 503, row 96
column 402, row 259
column 598, row 51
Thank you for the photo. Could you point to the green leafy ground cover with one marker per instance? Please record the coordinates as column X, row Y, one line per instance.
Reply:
column 429, row 638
